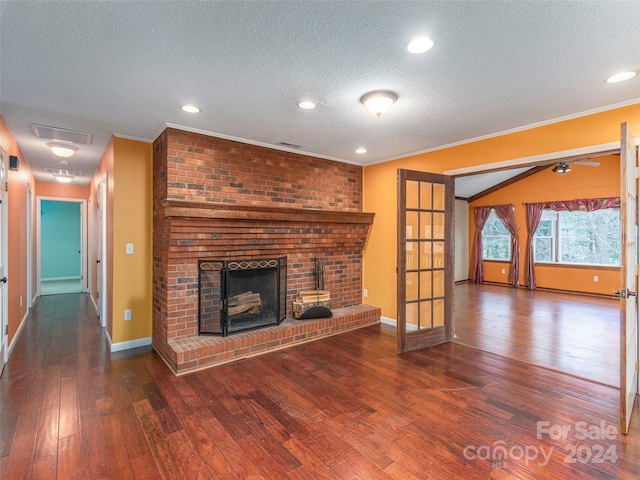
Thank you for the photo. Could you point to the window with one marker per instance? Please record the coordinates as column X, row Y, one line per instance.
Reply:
column 585, row 238
column 496, row 239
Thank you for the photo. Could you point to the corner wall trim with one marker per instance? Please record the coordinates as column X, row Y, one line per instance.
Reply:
column 139, row 342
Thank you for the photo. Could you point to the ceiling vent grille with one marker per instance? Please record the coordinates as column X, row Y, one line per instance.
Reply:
column 66, row 173
column 61, row 134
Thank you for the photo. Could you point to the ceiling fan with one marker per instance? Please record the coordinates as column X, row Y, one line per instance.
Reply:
column 564, row 167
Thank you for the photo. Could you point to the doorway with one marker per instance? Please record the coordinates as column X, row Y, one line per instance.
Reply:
column 61, row 240
column 628, row 281
column 4, row 308
column 102, row 251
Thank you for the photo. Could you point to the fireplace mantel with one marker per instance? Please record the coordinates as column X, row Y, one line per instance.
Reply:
column 204, row 210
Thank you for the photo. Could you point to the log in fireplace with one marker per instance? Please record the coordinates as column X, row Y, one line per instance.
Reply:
column 238, row 295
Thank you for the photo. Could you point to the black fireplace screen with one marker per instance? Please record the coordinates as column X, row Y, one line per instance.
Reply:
column 237, row 295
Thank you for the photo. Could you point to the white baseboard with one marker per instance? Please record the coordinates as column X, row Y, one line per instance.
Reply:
column 17, row 335
column 388, row 321
column 139, row 342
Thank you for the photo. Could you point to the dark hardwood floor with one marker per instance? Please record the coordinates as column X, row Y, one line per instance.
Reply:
column 575, row 334
column 344, row 407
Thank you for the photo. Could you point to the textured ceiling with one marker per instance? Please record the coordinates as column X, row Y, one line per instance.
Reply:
column 126, row 67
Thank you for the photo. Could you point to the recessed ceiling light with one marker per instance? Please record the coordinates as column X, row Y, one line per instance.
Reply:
column 62, row 149
column 621, row 77
column 307, row 105
column 190, row 109
column 420, row 45
column 361, row 150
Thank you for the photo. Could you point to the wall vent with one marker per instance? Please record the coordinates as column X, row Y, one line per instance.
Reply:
column 61, row 134
column 289, row 145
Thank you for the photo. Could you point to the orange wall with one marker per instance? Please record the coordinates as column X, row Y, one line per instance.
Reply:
column 62, row 190
column 380, row 181
column 546, row 186
column 18, row 184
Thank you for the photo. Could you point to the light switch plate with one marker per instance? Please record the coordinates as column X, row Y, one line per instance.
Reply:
column 129, row 249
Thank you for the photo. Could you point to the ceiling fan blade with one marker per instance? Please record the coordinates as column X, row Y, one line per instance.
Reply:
column 586, row 162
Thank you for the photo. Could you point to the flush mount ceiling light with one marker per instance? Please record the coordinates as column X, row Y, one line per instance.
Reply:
column 361, row 150
column 63, row 178
column 420, row 45
column 379, row 102
column 190, row 109
column 621, row 77
column 62, row 149
column 307, row 105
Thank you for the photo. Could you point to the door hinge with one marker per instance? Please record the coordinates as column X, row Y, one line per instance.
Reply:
column 637, row 367
column 637, row 172
column 97, row 294
column 6, row 329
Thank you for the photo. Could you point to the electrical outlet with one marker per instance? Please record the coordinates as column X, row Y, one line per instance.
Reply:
column 129, row 249
column 127, row 315
column 365, row 293
column 595, row 278
column 504, row 271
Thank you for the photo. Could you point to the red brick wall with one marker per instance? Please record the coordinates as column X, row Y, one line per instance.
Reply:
column 208, row 169
column 195, row 167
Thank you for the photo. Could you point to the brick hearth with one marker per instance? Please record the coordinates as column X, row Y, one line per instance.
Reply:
column 216, row 199
column 193, row 353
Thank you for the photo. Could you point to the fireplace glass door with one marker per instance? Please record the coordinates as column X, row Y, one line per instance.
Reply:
column 238, row 295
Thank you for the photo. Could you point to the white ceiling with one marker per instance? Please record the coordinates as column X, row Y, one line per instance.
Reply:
column 126, row 67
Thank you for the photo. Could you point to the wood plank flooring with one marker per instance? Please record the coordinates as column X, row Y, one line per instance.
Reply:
column 575, row 334
column 344, row 407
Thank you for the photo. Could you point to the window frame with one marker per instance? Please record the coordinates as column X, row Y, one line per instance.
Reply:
column 556, row 235
column 494, row 216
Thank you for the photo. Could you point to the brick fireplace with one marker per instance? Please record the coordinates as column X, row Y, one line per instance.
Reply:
column 216, row 199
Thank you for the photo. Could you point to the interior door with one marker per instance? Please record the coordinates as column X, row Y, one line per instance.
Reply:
column 4, row 337
column 101, row 260
column 628, row 277
column 425, row 259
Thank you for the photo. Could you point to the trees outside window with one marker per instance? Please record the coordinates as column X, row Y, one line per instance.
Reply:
column 496, row 239
column 585, row 238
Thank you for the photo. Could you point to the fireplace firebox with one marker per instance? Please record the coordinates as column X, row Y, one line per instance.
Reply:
column 238, row 295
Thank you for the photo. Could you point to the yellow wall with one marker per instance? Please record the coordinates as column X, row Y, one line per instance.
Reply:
column 128, row 166
column 379, row 276
column 546, row 186
column 132, row 223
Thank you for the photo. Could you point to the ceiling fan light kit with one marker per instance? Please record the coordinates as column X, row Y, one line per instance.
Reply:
column 562, row 168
